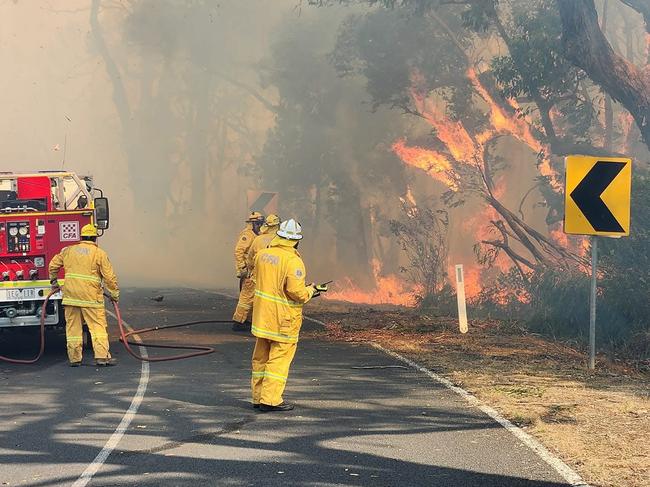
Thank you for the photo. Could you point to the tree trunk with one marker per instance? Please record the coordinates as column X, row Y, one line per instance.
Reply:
column 587, row 48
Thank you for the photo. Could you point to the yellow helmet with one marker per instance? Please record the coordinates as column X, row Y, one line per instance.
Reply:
column 89, row 230
column 255, row 216
column 272, row 220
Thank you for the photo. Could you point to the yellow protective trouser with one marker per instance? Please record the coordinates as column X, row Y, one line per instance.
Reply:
column 245, row 303
column 271, row 362
column 95, row 319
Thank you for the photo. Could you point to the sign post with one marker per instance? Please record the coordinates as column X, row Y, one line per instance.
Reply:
column 460, row 298
column 592, row 304
column 597, row 202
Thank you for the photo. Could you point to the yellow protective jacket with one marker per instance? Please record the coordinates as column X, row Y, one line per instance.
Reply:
column 244, row 241
column 86, row 268
column 280, row 292
column 260, row 242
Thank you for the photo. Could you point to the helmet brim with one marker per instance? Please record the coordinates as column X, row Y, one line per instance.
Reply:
column 286, row 236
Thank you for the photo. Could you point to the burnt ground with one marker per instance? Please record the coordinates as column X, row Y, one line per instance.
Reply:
column 598, row 422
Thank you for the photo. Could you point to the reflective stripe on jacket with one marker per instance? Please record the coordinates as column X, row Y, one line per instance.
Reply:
column 244, row 241
column 280, row 292
column 87, row 268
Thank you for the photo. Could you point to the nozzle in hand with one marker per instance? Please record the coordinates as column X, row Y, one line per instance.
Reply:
column 321, row 288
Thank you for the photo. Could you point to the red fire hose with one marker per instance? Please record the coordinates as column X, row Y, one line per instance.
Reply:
column 42, row 338
column 124, row 338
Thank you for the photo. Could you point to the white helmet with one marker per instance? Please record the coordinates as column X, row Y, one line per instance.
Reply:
column 290, row 229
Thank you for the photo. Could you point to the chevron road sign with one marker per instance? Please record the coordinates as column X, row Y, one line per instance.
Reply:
column 597, row 196
column 263, row 201
column 597, row 202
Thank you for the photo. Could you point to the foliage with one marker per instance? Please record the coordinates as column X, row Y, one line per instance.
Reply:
column 535, row 68
column 625, row 267
column 422, row 234
column 326, row 153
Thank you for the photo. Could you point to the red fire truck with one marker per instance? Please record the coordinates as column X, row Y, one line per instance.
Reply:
column 39, row 215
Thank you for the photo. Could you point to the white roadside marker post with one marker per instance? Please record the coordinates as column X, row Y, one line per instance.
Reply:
column 460, row 297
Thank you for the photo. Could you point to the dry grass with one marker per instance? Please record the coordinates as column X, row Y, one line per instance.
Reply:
column 597, row 422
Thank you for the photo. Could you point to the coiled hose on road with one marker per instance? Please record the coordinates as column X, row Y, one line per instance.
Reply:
column 124, row 338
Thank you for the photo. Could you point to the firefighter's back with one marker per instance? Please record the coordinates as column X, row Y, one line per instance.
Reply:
column 276, row 315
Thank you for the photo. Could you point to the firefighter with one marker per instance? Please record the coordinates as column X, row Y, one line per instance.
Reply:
column 87, row 268
column 245, row 303
column 280, row 292
column 246, row 285
column 267, row 233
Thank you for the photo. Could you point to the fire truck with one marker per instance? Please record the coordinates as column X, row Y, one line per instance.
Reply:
column 40, row 214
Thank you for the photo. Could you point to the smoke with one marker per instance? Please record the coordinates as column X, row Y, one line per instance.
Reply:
column 158, row 100
column 178, row 107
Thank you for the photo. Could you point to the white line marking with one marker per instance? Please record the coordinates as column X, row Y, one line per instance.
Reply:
column 560, row 467
column 556, row 463
column 130, row 413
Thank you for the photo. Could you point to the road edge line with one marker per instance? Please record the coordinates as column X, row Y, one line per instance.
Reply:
column 128, row 416
column 565, row 471
column 552, row 460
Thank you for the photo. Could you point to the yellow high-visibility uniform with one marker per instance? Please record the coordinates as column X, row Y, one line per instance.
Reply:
column 247, row 286
column 244, row 242
column 87, row 268
column 261, row 242
column 280, row 293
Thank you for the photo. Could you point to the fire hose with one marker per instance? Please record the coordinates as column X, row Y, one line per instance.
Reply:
column 198, row 350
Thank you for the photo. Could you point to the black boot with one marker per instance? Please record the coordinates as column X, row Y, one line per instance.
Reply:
column 237, row 326
column 280, row 407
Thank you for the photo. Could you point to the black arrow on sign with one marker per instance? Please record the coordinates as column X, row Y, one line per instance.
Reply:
column 587, row 196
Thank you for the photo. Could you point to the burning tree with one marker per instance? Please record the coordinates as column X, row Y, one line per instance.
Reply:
column 439, row 74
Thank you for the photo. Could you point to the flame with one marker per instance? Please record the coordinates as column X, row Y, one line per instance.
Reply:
column 388, row 290
column 560, row 238
column 432, row 162
column 472, row 276
column 502, row 121
column 409, row 197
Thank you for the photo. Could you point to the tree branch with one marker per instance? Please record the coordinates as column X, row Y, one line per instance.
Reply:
column 587, row 48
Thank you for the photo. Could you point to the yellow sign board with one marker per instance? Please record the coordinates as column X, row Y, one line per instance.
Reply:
column 597, row 195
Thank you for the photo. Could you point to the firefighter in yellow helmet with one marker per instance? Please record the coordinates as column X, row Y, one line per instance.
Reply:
column 267, row 234
column 280, row 292
column 245, row 304
column 87, row 271
column 246, row 285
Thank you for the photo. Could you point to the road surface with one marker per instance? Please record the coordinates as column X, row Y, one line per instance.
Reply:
column 194, row 424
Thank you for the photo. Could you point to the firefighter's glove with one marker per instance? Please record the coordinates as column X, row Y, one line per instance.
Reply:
column 54, row 284
column 243, row 272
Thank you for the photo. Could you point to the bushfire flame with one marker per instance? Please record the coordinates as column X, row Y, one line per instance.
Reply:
column 461, row 148
column 432, row 162
column 389, row 289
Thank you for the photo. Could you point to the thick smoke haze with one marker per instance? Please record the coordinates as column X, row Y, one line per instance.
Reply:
column 150, row 98
column 178, row 107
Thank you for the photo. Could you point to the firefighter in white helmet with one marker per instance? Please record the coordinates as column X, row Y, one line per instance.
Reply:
column 246, row 285
column 280, row 292
column 87, row 272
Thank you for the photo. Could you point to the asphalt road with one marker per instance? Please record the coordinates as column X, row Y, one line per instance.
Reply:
column 195, row 426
